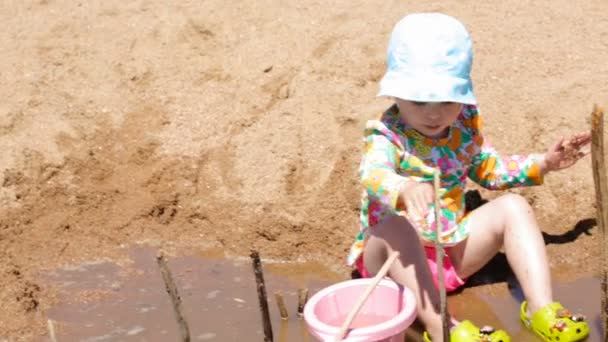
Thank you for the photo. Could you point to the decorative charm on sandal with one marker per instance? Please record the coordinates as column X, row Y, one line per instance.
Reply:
column 487, row 330
column 563, row 313
column 560, row 325
column 578, row 318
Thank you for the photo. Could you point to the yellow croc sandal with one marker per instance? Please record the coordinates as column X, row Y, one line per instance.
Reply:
column 553, row 322
column 468, row 332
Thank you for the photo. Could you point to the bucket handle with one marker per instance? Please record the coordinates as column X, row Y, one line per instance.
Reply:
column 353, row 312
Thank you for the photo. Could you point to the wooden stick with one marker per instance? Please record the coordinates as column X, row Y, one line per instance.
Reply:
column 353, row 312
column 175, row 298
column 284, row 331
column 281, row 304
column 51, row 327
column 439, row 252
column 601, row 198
column 302, row 299
column 259, row 279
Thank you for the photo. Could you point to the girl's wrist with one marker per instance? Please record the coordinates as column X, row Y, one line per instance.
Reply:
column 403, row 189
column 543, row 165
column 400, row 199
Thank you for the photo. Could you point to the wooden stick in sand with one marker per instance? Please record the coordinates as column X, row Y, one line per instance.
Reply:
column 601, row 198
column 351, row 315
column 259, row 279
column 281, row 304
column 174, row 296
column 440, row 253
column 302, row 299
column 51, row 327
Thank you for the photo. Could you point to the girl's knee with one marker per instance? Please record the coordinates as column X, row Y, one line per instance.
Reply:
column 397, row 233
column 395, row 229
column 515, row 203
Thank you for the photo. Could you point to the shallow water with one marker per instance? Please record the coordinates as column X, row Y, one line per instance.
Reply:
column 104, row 302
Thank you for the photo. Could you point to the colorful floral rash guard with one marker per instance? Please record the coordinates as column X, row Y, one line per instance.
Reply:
column 395, row 154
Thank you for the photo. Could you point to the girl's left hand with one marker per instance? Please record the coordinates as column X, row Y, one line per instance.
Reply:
column 566, row 152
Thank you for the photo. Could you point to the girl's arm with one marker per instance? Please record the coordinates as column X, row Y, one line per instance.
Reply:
column 566, row 152
column 384, row 156
column 495, row 172
column 378, row 170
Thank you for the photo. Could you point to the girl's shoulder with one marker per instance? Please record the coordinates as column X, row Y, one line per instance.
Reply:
column 469, row 111
column 387, row 124
column 387, row 120
column 470, row 118
column 390, row 117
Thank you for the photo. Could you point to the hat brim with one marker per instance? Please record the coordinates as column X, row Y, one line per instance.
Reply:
column 427, row 88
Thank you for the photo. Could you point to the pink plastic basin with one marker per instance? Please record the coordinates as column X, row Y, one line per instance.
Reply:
column 387, row 313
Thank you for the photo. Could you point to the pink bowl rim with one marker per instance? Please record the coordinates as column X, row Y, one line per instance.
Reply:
column 407, row 314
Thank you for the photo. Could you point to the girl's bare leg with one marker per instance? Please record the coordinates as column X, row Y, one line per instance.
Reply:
column 410, row 270
column 507, row 221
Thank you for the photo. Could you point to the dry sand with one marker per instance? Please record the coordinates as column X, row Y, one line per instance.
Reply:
column 198, row 124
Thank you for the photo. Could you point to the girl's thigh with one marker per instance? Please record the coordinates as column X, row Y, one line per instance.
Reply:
column 486, row 235
column 395, row 233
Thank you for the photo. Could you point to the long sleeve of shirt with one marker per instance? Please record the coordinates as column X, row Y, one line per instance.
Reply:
column 378, row 170
column 495, row 172
column 385, row 167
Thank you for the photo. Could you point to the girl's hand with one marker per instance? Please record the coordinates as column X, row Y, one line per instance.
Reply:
column 566, row 152
column 417, row 197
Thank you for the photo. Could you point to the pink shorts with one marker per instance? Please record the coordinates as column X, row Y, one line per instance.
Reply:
column 452, row 280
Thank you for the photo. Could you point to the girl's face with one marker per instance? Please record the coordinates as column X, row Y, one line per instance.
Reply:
column 432, row 119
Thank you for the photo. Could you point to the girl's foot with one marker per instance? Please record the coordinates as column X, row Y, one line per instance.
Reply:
column 468, row 332
column 553, row 322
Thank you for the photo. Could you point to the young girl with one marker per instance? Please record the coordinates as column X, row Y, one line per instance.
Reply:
column 435, row 123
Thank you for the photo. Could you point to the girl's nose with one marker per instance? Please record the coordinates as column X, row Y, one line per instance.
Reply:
column 434, row 117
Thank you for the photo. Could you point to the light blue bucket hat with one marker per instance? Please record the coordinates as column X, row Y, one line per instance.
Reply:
column 429, row 60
